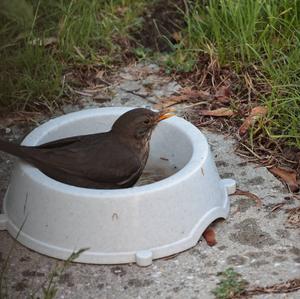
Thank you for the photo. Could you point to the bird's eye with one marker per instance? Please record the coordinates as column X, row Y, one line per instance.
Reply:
column 146, row 122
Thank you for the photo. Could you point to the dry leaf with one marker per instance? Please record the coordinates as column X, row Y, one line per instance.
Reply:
column 223, row 94
column 210, row 236
column 255, row 114
column 217, row 112
column 250, row 195
column 289, row 176
column 186, row 94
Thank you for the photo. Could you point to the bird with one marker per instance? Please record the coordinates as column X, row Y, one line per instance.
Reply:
column 105, row 160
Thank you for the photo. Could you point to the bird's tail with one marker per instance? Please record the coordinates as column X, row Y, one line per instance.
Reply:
column 11, row 148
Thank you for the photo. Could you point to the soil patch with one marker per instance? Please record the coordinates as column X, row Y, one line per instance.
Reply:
column 161, row 23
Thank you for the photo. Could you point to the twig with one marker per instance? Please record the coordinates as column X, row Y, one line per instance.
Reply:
column 250, row 195
column 278, row 206
column 193, row 105
column 289, row 286
column 251, row 151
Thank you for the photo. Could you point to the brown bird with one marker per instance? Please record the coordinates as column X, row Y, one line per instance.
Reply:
column 109, row 160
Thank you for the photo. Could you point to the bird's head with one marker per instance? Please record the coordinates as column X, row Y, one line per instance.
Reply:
column 139, row 123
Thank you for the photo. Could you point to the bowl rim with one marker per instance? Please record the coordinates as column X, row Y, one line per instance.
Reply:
column 199, row 144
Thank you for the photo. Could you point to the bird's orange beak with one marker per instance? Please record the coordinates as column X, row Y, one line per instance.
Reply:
column 164, row 114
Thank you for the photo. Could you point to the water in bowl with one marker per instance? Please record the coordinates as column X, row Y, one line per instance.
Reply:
column 155, row 173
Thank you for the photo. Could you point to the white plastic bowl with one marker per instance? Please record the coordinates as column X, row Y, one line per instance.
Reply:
column 136, row 224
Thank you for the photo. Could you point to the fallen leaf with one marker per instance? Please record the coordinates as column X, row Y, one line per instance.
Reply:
column 289, row 176
column 250, row 195
column 223, row 94
column 217, row 112
column 210, row 236
column 186, row 94
column 255, row 114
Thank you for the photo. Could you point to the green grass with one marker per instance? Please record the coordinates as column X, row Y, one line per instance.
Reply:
column 84, row 32
column 242, row 33
column 231, row 285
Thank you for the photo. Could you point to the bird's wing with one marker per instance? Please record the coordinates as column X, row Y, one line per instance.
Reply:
column 64, row 142
column 87, row 158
